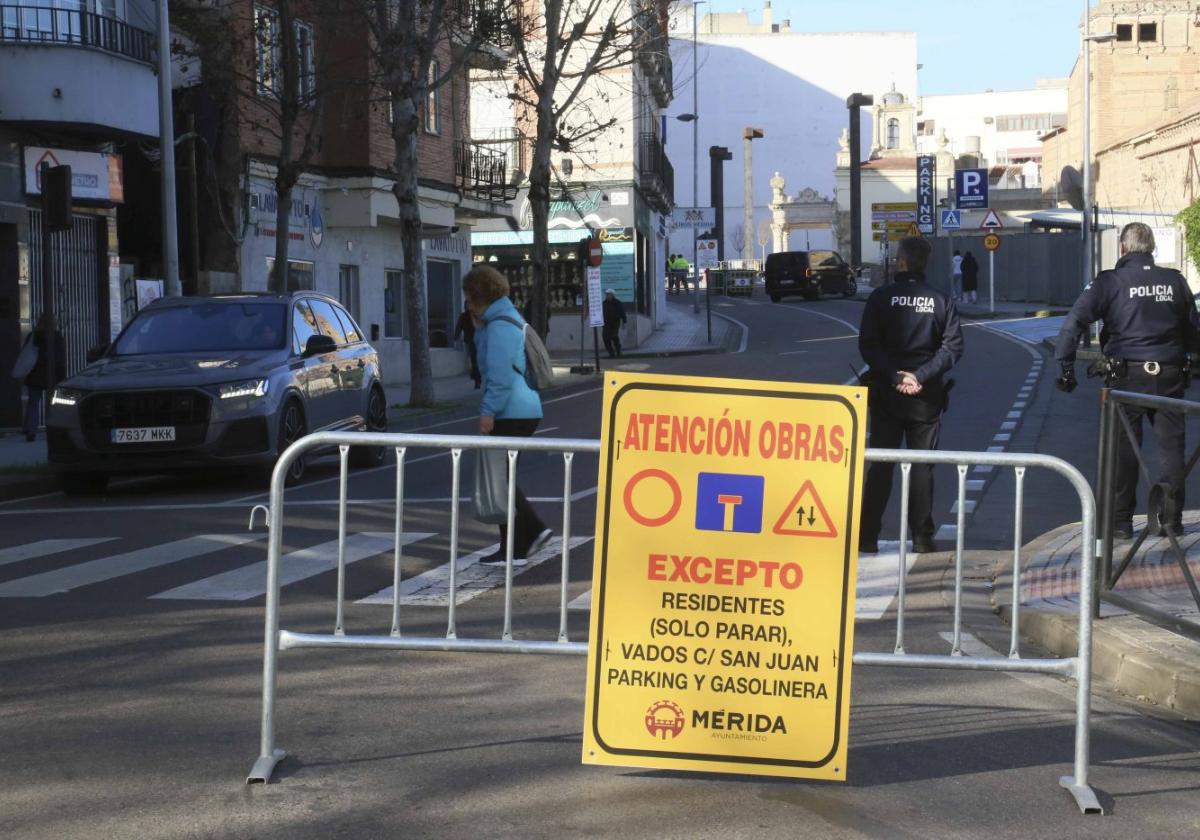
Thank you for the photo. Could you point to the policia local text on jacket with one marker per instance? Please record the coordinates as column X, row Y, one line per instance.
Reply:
column 907, row 326
column 1150, row 325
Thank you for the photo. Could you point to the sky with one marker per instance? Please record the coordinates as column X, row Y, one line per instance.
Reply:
column 964, row 45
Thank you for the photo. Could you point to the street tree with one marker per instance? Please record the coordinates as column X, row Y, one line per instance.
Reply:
column 563, row 49
column 418, row 46
column 764, row 236
column 267, row 59
column 739, row 239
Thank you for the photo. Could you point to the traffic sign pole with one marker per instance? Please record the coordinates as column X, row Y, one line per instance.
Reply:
column 992, row 281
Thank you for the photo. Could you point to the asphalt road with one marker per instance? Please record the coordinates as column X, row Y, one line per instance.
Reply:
column 131, row 648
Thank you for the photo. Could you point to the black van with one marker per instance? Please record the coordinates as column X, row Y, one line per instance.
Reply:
column 808, row 273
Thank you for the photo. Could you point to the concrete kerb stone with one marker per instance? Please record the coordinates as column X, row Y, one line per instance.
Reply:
column 1131, row 656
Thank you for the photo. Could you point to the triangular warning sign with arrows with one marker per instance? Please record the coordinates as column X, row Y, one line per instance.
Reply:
column 805, row 516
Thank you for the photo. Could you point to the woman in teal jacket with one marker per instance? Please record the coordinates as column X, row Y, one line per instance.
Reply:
column 508, row 407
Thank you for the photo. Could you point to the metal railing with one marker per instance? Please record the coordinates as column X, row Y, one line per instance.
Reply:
column 277, row 639
column 1114, row 423
column 656, row 176
column 482, row 171
column 491, row 20
column 45, row 25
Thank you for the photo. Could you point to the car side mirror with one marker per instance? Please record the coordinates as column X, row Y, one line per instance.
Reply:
column 318, row 344
column 97, row 352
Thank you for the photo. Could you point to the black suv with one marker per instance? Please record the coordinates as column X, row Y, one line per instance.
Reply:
column 808, row 273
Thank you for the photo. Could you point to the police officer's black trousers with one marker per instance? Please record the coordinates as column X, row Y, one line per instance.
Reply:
column 1168, row 434
column 896, row 418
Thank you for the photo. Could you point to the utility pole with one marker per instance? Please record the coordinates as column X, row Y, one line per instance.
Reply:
column 853, row 103
column 748, row 136
column 166, row 144
column 695, row 146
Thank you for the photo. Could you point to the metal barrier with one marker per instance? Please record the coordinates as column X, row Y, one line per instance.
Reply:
column 1114, row 423
column 276, row 639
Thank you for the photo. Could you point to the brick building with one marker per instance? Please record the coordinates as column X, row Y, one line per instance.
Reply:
column 344, row 233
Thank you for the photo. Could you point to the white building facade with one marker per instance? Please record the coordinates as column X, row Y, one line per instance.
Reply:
column 1000, row 128
column 791, row 85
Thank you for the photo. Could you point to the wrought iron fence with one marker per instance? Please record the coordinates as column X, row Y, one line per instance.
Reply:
column 482, row 171
column 47, row 25
column 489, row 19
column 655, row 173
column 1115, row 426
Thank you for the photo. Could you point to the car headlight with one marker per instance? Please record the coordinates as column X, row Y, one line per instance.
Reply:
column 65, row 396
column 253, row 388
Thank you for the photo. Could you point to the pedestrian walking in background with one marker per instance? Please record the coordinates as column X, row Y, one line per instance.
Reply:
column 669, row 275
column 614, row 319
column 466, row 328
column 508, row 407
column 1150, row 327
column 956, row 276
column 910, row 337
column 681, row 273
column 970, row 277
column 35, row 377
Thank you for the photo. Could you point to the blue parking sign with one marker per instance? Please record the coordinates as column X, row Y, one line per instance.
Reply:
column 971, row 188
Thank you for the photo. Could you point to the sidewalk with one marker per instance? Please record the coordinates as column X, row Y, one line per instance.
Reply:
column 685, row 332
column 1137, row 658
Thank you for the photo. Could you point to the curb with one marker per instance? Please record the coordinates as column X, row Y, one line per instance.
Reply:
column 1082, row 354
column 1133, row 670
column 1138, row 670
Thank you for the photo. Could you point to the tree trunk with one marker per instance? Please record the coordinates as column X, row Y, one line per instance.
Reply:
column 286, row 172
column 404, row 134
column 539, row 206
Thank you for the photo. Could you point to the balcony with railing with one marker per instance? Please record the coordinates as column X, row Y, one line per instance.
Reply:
column 96, row 70
column 652, row 47
column 47, row 26
column 489, row 25
column 481, row 171
column 656, row 176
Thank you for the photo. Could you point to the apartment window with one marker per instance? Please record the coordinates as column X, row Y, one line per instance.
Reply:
column 348, row 290
column 307, row 73
column 926, row 128
column 433, row 100
column 266, row 50
column 1124, row 31
column 1147, row 32
column 268, row 55
column 893, row 133
column 393, row 304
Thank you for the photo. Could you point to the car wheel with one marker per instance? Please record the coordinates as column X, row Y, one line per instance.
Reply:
column 82, row 484
column 372, row 456
column 776, row 298
column 291, row 428
column 851, row 288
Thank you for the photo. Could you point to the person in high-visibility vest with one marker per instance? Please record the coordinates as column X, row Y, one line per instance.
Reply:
column 681, row 266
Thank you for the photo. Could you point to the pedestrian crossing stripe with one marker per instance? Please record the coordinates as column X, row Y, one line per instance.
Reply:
column 45, row 548
column 432, row 588
column 248, row 582
column 118, row 565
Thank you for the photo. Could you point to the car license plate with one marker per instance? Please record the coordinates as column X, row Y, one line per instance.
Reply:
column 147, row 434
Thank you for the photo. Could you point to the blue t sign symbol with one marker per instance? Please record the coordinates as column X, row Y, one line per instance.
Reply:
column 726, row 502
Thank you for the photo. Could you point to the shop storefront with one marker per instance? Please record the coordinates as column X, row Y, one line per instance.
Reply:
column 611, row 215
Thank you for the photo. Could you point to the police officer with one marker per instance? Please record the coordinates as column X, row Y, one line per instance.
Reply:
column 910, row 337
column 1150, row 327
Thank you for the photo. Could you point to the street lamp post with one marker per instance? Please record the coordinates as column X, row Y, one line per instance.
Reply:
column 166, row 144
column 1089, row 271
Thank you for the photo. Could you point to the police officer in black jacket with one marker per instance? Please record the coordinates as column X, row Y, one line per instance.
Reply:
column 1150, row 327
column 910, row 337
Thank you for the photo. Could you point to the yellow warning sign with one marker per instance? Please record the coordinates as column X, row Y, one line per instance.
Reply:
column 722, row 623
column 913, row 230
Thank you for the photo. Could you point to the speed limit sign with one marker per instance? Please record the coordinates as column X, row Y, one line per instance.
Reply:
column 991, row 242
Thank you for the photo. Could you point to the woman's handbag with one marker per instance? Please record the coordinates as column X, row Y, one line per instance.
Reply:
column 490, row 495
column 26, row 359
